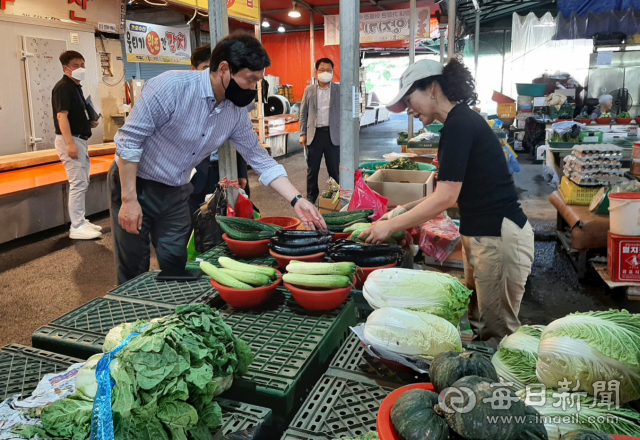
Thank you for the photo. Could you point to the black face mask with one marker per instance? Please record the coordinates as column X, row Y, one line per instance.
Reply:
column 237, row 95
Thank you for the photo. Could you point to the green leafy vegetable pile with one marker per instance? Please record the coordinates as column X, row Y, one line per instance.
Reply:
column 624, row 115
column 165, row 382
column 401, row 163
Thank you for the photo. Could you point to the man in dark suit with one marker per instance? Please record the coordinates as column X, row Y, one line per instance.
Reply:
column 320, row 127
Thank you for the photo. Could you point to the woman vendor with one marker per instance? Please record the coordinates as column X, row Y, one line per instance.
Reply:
column 497, row 238
column 605, row 103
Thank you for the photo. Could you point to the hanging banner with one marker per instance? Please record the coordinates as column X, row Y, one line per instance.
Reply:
column 246, row 10
column 151, row 43
column 380, row 26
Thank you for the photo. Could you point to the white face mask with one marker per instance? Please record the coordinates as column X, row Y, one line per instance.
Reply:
column 325, row 77
column 79, row 73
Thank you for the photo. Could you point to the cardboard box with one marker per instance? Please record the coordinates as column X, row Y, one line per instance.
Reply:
column 326, row 206
column 539, row 101
column 507, row 110
column 455, row 259
column 569, row 93
column 401, row 186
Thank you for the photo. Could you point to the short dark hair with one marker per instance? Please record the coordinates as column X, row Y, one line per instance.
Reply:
column 456, row 82
column 201, row 55
column 241, row 51
column 324, row 60
column 68, row 56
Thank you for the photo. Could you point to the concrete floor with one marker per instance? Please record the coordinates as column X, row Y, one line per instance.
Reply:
column 47, row 275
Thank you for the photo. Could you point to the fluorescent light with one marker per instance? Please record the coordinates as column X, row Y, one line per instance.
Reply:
column 281, row 28
column 294, row 13
column 265, row 23
column 475, row 5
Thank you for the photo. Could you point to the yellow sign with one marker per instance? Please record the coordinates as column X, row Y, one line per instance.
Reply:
column 247, row 10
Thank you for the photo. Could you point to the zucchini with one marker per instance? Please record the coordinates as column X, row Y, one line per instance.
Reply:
column 229, row 263
column 302, row 241
column 300, row 267
column 221, row 277
column 298, row 251
column 255, row 279
column 326, row 281
column 363, row 212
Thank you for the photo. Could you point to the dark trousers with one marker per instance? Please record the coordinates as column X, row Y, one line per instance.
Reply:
column 320, row 146
column 165, row 223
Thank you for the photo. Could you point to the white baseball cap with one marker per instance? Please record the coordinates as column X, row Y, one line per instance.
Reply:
column 420, row 70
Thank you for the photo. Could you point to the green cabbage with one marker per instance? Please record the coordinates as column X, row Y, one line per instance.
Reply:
column 515, row 360
column 592, row 347
column 577, row 413
column 423, row 291
column 118, row 334
column 86, row 384
column 410, row 333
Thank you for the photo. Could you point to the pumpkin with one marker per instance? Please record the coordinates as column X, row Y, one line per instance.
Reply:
column 416, row 415
column 586, row 434
column 450, row 366
column 533, row 428
column 469, row 412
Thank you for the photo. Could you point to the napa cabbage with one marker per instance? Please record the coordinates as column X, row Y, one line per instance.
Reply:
column 416, row 334
column 515, row 360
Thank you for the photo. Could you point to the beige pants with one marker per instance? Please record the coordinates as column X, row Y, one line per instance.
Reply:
column 496, row 269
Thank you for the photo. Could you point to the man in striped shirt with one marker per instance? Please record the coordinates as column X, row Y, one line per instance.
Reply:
column 180, row 119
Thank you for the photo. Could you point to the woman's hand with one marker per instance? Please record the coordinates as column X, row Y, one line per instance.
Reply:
column 379, row 232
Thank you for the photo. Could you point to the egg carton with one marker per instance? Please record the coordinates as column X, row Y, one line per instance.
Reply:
column 594, row 151
column 605, row 174
column 591, row 169
column 590, row 163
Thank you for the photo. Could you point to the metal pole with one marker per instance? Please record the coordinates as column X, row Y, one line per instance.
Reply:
column 218, row 29
column 452, row 28
column 412, row 53
column 477, row 46
column 261, row 132
column 443, row 28
column 504, row 49
column 349, row 110
column 312, row 42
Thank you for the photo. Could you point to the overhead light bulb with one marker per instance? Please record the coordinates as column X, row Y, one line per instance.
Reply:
column 294, row 13
column 265, row 23
column 281, row 28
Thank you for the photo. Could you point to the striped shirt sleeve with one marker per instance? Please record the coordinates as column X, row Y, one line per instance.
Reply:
column 246, row 142
column 152, row 110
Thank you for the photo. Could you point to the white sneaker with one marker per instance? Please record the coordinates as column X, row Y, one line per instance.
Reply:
column 84, row 232
column 92, row 226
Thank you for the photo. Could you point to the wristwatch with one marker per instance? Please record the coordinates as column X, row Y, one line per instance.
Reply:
column 295, row 200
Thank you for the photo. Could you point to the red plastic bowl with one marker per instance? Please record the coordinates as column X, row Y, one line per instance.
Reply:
column 288, row 223
column 318, row 300
column 284, row 260
column 623, row 121
column 363, row 273
column 603, row 121
column 247, row 249
column 247, row 298
column 340, row 235
column 383, row 421
column 584, row 121
column 638, row 120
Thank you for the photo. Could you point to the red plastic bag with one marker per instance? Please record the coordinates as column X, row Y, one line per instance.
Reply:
column 439, row 237
column 365, row 198
column 244, row 207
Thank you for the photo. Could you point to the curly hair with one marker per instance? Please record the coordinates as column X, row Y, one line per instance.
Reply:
column 456, row 82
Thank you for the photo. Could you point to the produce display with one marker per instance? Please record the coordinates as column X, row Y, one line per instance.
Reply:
column 238, row 275
column 339, row 221
column 300, row 243
column 165, row 381
column 583, row 116
column 403, row 136
column 410, row 333
column 365, row 255
column 423, row 291
column 515, row 360
column 416, row 415
column 401, row 163
column 320, row 275
column 623, row 115
column 245, row 229
column 605, row 115
column 450, row 366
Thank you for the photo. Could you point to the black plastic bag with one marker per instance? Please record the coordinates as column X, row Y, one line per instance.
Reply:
column 206, row 231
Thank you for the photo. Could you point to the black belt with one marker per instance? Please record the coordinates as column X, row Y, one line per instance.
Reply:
column 322, row 128
column 81, row 136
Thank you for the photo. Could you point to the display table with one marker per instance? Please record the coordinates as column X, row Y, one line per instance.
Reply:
column 283, row 139
column 579, row 231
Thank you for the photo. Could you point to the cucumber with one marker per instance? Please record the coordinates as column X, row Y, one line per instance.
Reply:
column 363, row 212
column 326, row 281
column 345, row 220
column 222, row 277
column 244, row 235
column 300, row 267
column 229, row 263
column 398, row 236
column 255, row 279
column 247, row 224
column 357, row 226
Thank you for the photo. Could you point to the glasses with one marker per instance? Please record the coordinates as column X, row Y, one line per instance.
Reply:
column 325, row 70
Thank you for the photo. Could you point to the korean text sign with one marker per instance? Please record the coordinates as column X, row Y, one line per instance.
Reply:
column 151, row 43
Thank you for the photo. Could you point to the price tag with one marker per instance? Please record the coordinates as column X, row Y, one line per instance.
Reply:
column 356, row 103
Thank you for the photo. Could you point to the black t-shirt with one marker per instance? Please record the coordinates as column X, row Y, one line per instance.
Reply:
column 67, row 95
column 471, row 153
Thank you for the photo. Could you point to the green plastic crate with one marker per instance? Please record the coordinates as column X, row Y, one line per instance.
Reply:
column 292, row 347
column 296, row 434
column 342, row 405
column 222, row 250
column 566, row 111
column 147, row 288
column 434, row 128
column 81, row 332
column 237, row 416
column 371, row 166
column 22, row 368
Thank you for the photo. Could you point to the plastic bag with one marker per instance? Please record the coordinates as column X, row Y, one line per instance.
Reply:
column 207, row 232
column 439, row 237
column 244, row 207
column 365, row 198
